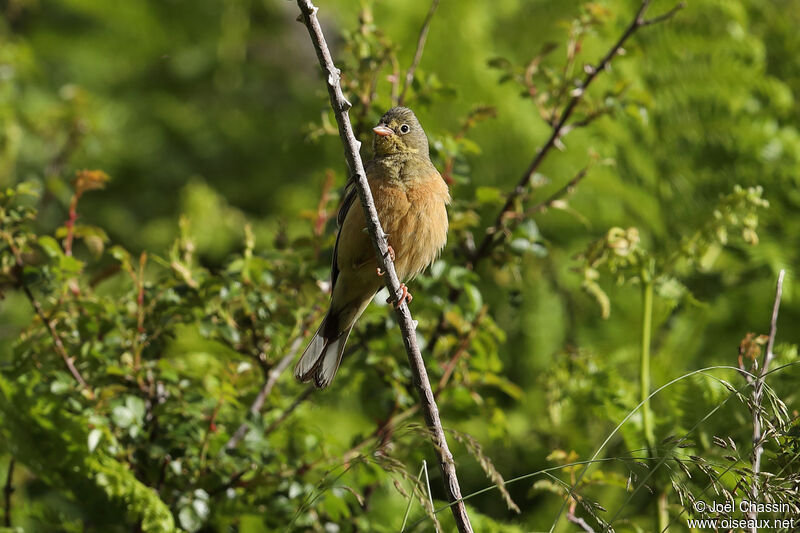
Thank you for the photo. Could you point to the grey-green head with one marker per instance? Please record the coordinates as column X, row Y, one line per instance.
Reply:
column 399, row 132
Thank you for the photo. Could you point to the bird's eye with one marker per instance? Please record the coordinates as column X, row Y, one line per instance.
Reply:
column 404, row 128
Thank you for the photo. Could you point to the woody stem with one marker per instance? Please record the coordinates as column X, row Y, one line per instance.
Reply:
column 379, row 240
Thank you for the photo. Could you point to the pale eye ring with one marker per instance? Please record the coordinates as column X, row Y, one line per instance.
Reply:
column 404, row 128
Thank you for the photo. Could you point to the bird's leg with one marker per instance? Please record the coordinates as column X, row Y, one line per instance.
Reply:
column 390, row 253
column 404, row 297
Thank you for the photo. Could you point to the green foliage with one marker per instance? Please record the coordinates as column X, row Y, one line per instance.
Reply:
column 143, row 315
column 64, row 456
column 621, row 254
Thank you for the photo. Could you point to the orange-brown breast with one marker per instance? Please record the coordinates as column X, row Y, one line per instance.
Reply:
column 413, row 212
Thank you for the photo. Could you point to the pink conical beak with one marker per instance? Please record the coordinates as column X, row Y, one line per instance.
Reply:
column 382, row 130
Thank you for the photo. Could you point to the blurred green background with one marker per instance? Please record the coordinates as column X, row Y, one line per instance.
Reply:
column 213, row 110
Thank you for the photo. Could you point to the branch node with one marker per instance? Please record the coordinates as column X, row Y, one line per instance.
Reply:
column 334, row 76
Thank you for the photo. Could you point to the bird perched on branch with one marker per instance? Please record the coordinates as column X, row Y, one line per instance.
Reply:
column 410, row 197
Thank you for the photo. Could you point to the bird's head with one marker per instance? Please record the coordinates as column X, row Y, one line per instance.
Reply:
column 399, row 132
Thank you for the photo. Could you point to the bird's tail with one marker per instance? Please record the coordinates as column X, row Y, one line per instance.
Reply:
column 322, row 356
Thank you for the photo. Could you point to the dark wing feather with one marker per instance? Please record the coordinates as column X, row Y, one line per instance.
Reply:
column 350, row 195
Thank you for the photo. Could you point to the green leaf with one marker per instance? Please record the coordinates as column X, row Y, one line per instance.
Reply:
column 94, row 439
column 52, row 443
column 50, row 246
column 473, row 296
column 69, row 266
column 499, row 63
column 489, row 195
column 122, row 416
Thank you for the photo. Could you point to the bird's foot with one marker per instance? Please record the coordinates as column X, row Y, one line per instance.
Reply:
column 404, row 297
column 391, row 256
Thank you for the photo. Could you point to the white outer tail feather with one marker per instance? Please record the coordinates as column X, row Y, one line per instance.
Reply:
column 312, row 353
column 330, row 361
column 321, row 358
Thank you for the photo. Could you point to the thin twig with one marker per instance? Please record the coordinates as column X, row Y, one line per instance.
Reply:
column 461, row 350
column 272, row 378
column 668, row 15
column 286, row 412
column 580, row 522
column 566, row 190
column 49, row 324
column 587, row 120
column 57, row 342
column 70, row 223
column 423, row 35
column 8, row 490
column 232, row 481
column 559, row 128
column 379, row 240
column 758, row 394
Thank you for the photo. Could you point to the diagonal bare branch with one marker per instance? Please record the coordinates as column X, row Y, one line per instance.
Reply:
column 340, row 107
column 560, row 127
column 272, row 378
